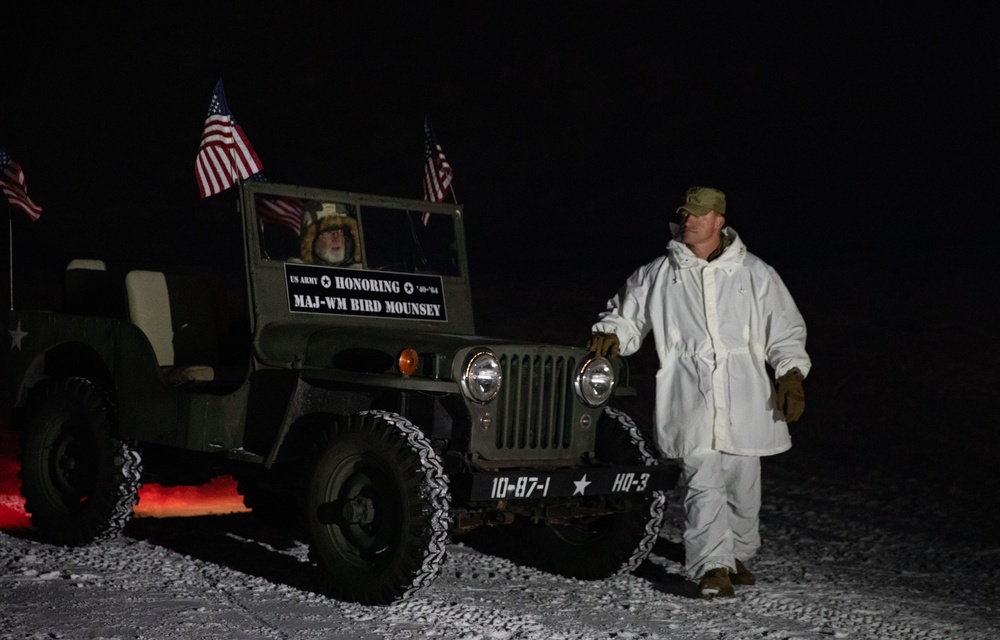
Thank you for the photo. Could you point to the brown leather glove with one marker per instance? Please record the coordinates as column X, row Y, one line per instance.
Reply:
column 603, row 344
column 791, row 397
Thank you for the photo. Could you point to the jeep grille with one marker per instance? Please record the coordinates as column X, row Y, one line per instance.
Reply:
column 535, row 403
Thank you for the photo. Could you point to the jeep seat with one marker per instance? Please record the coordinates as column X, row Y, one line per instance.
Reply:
column 175, row 313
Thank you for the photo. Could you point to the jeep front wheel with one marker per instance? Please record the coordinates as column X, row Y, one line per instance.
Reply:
column 377, row 509
column 78, row 479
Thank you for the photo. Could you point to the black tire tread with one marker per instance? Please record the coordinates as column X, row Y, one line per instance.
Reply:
column 426, row 484
column 109, row 508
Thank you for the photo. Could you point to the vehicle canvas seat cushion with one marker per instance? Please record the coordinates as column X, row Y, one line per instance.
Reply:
column 175, row 313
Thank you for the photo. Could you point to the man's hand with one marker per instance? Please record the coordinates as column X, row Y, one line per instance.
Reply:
column 791, row 397
column 603, row 344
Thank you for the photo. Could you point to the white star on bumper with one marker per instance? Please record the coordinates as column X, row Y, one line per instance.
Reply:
column 16, row 335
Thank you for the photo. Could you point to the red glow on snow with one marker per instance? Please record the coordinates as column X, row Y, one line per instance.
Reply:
column 12, row 515
column 217, row 497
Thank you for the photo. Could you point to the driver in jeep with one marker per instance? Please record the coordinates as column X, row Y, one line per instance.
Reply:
column 330, row 236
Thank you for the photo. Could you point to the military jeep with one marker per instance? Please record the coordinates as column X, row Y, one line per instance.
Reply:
column 348, row 393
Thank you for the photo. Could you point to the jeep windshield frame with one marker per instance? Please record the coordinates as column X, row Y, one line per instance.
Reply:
column 401, row 264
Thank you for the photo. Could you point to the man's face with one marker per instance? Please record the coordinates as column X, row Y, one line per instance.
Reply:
column 330, row 246
column 697, row 230
column 331, row 240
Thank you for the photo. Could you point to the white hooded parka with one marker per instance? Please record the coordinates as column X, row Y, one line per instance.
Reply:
column 715, row 326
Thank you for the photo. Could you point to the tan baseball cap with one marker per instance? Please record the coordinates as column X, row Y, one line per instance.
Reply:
column 700, row 200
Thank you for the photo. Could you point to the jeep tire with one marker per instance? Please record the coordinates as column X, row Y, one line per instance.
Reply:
column 377, row 509
column 79, row 480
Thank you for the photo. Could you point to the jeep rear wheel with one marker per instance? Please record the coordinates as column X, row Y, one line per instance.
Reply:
column 78, row 479
column 602, row 546
column 377, row 509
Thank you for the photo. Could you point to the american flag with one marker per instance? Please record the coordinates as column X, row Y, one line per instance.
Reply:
column 437, row 171
column 225, row 153
column 14, row 187
column 278, row 210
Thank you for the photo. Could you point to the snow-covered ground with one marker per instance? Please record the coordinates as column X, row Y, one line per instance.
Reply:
column 881, row 557
column 880, row 523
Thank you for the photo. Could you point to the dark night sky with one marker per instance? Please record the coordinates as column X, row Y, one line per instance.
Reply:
column 573, row 128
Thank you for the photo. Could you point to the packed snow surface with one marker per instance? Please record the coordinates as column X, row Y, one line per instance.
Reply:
column 880, row 557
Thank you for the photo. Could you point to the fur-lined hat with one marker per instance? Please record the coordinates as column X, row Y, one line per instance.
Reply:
column 329, row 216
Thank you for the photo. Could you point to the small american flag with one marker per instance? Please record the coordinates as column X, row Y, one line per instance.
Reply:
column 14, row 187
column 278, row 210
column 225, row 153
column 437, row 171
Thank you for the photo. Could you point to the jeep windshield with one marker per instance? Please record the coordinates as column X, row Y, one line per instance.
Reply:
column 356, row 236
column 318, row 255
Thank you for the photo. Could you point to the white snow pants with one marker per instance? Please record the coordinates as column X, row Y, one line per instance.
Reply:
column 722, row 510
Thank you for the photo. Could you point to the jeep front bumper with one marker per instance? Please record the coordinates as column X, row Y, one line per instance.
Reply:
column 582, row 482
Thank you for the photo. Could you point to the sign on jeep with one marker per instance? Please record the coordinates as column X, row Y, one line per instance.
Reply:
column 337, row 375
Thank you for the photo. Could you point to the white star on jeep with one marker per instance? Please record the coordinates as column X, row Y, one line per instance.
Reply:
column 16, row 335
column 581, row 485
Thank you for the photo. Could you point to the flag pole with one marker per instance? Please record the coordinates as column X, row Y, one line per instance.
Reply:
column 10, row 257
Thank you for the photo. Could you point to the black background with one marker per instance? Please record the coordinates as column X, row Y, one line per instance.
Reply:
column 573, row 128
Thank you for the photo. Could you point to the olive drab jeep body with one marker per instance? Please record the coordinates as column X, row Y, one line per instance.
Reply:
column 343, row 386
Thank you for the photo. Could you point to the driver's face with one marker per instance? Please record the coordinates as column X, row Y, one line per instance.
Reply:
column 333, row 239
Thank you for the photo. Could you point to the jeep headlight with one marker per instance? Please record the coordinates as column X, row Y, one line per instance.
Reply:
column 482, row 377
column 595, row 381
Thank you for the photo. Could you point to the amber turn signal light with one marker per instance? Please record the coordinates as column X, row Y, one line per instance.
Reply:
column 408, row 361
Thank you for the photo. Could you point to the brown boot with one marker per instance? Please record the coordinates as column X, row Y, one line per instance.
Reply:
column 715, row 584
column 742, row 576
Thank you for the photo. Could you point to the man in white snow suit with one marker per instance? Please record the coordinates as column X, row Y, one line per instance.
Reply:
column 723, row 323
